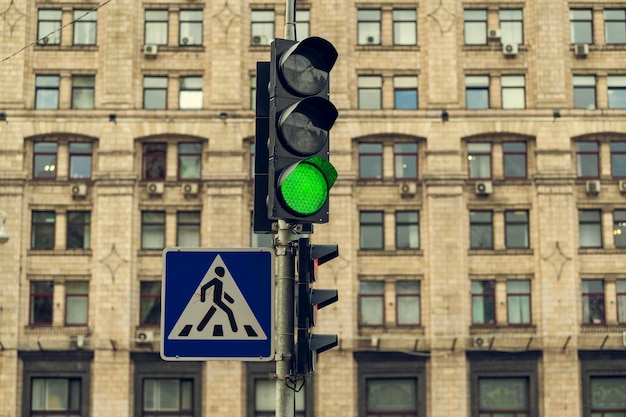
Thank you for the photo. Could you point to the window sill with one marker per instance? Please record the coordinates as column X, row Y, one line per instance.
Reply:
column 56, row 330
column 150, row 252
column 386, row 48
column 67, row 48
column 390, row 252
column 601, row 251
column 476, row 330
column 500, row 252
column 602, row 328
column 59, row 252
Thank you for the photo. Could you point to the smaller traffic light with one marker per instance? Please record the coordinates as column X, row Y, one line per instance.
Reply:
column 260, row 221
column 309, row 300
column 300, row 174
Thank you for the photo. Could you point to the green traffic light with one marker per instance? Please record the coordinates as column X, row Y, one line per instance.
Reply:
column 304, row 186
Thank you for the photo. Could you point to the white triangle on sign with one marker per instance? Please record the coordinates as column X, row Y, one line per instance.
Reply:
column 217, row 310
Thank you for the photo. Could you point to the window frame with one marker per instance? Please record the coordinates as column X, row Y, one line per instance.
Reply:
column 76, row 295
column 587, row 158
column 150, row 88
column 187, row 150
column 370, row 91
column 475, row 23
column 157, row 154
column 369, row 22
column 257, row 26
column 79, row 154
column 156, row 24
column 303, row 20
column 586, row 295
column 401, row 26
column 511, row 154
column 81, row 225
column 611, row 21
column 616, row 156
column 408, row 228
column 47, row 298
column 186, row 223
column 367, row 296
column 152, row 226
column 488, row 300
column 513, row 89
column 369, row 225
column 511, row 27
column 619, row 228
column 415, row 296
column 85, row 89
column 89, row 27
column 371, row 154
column 620, row 299
column 595, row 364
column 149, row 300
column 524, row 300
column 43, row 35
column 46, row 154
column 400, row 89
column 479, row 227
column 575, row 22
column 516, row 223
column 45, row 92
column 192, row 23
column 403, row 154
column 477, row 84
column 616, row 91
column 582, row 86
column 49, row 229
column 596, row 222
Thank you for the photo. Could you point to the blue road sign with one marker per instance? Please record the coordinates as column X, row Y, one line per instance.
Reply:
column 217, row 304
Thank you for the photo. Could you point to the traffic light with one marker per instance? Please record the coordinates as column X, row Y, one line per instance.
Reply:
column 309, row 345
column 300, row 174
column 260, row 221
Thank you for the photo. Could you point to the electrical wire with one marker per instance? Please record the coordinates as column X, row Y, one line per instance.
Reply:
column 19, row 51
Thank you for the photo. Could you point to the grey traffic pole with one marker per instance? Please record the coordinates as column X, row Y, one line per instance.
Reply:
column 285, row 286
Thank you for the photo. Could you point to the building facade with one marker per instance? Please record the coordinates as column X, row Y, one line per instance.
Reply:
column 480, row 208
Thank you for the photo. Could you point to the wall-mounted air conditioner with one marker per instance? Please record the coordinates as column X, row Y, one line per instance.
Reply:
column 144, row 336
column 494, row 34
column 592, row 186
column 155, row 188
column 581, row 50
column 150, row 50
column 407, row 188
column 259, row 40
column 78, row 190
column 622, row 186
column 483, row 188
column 189, row 189
column 510, row 49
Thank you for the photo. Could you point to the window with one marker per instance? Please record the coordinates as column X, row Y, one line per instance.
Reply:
column 371, row 229
column 190, row 97
column 514, row 158
column 593, row 301
column 165, row 389
column 397, row 394
column 516, row 229
column 253, row 92
column 511, row 26
column 483, row 304
column 154, row 161
column 189, row 160
column 477, row 92
column 590, row 228
column 513, row 91
column 76, row 303
column 584, row 92
column 188, row 228
column 78, row 229
column 618, row 159
column 372, row 303
column 56, row 385
column 370, row 161
column 190, row 27
column 503, row 397
column 85, row 26
column 81, row 155
column 619, row 228
column 407, row 230
column 41, row 303
column 616, row 85
column 47, row 92
column 475, row 26
column 479, row 160
column 303, row 24
column 481, row 230
column 581, row 26
column 42, row 233
column 404, row 27
column 518, row 301
column 83, row 91
column 152, row 230
column 587, row 160
column 408, row 303
column 44, row 160
column 390, row 384
column 265, row 399
column 405, row 160
column 405, row 92
column 370, row 92
column 620, row 287
column 150, row 303
column 154, row 93
column 608, row 396
column 49, row 26
column 615, row 26
column 156, row 32
column 262, row 26
column 368, row 26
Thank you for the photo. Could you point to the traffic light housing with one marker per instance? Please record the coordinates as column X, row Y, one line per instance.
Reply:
column 309, row 345
column 260, row 221
column 300, row 174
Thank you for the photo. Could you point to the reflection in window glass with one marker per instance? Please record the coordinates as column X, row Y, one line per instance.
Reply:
column 154, row 161
column 619, row 228
column 405, row 160
column 44, row 160
column 150, row 303
column 189, row 160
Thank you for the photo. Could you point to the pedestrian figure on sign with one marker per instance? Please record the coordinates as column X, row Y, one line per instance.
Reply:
column 219, row 295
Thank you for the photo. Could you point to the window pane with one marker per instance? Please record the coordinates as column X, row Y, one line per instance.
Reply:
column 368, row 27
column 80, row 160
column 85, row 27
column 77, row 302
column 372, row 302
column 475, row 27
column 190, row 27
column 156, row 27
column 370, row 160
column 405, row 160
column 150, row 303
column 42, row 233
column 503, row 394
column 581, row 26
column 407, row 230
column 188, row 233
column 189, row 160
column 619, row 228
column 386, row 395
column 590, row 229
column 153, row 230
column 41, row 302
column 608, row 393
column 371, row 230
column 404, row 27
column 407, row 293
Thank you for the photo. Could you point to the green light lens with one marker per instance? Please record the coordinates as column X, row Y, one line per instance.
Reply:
column 303, row 188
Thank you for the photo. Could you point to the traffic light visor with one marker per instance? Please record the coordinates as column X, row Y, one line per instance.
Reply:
column 304, row 186
column 306, row 65
column 304, row 126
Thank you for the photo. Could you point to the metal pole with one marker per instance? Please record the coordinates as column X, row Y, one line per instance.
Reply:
column 285, row 287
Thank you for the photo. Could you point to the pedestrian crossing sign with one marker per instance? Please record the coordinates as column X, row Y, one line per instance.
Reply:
column 217, row 304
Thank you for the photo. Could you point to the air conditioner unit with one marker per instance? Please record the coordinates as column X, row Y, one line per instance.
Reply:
column 259, row 40
column 144, row 336
column 407, row 188
column 581, row 50
column 592, row 186
column 624, row 339
column 155, row 188
column 494, row 34
column 78, row 190
column 481, row 342
column 483, row 188
column 189, row 189
column 187, row 40
column 150, row 50
column 510, row 49
column 622, row 186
